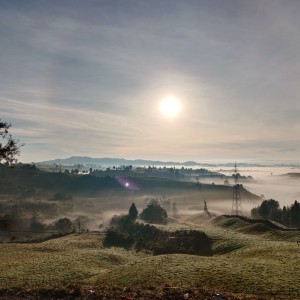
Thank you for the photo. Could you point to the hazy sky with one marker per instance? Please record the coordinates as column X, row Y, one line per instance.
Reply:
column 86, row 78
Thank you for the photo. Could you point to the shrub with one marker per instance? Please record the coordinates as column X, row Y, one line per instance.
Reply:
column 154, row 213
column 117, row 239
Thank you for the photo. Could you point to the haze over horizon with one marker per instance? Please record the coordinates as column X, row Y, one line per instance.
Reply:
column 89, row 77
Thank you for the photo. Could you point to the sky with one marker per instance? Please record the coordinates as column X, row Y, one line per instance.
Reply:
column 87, row 78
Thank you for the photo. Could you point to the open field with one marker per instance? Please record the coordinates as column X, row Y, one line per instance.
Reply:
column 247, row 264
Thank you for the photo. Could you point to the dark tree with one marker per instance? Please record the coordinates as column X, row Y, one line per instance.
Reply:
column 9, row 147
column 36, row 223
column 133, row 212
column 269, row 209
column 7, row 223
column 36, row 226
column 154, row 214
column 295, row 214
column 63, row 225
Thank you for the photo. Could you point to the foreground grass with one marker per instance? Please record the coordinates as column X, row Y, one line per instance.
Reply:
column 58, row 262
column 243, row 264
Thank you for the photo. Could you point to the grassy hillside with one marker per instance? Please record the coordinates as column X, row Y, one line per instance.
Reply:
column 30, row 182
column 265, row 228
column 248, row 264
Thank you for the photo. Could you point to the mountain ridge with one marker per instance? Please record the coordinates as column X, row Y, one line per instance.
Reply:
column 109, row 161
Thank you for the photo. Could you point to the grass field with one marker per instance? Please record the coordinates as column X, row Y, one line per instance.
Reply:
column 251, row 263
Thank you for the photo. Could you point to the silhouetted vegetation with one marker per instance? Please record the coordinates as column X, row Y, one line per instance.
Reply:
column 133, row 212
column 7, row 223
column 154, row 213
column 63, row 225
column 270, row 210
column 148, row 237
column 125, row 232
column 9, row 147
column 26, row 181
column 15, row 226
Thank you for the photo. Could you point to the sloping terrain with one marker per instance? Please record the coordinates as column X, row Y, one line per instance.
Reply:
column 250, row 265
column 29, row 182
column 266, row 228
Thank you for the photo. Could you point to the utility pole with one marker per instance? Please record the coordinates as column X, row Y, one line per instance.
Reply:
column 236, row 196
column 206, row 209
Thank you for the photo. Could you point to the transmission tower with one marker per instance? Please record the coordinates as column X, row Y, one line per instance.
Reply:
column 236, row 196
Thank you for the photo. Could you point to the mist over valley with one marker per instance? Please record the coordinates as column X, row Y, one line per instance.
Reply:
column 149, row 150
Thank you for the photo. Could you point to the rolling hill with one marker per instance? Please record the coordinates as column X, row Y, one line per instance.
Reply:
column 242, row 267
column 24, row 181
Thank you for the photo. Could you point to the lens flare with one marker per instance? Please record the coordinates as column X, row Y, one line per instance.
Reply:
column 127, row 184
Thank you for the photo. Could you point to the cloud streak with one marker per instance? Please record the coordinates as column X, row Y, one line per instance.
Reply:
column 87, row 79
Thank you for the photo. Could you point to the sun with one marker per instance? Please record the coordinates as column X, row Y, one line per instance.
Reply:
column 170, row 107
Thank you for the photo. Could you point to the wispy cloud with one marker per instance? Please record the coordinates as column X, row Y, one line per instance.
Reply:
column 87, row 78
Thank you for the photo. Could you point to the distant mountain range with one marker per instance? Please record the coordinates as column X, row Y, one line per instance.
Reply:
column 107, row 161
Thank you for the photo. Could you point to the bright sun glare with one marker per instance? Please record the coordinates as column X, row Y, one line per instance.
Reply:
column 170, row 107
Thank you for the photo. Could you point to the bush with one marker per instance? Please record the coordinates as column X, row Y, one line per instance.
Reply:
column 154, row 213
column 149, row 237
column 117, row 239
column 63, row 225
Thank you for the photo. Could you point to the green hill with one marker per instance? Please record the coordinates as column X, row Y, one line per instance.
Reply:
column 268, row 229
column 244, row 266
column 25, row 181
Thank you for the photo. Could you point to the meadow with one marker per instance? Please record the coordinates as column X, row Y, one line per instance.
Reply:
column 251, row 264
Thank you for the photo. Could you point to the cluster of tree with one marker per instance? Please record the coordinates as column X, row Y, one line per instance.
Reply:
column 270, row 210
column 26, row 180
column 24, row 229
column 240, row 177
column 125, row 232
column 63, row 225
column 154, row 213
column 159, row 172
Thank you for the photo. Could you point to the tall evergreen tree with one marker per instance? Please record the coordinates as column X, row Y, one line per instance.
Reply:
column 133, row 212
column 295, row 214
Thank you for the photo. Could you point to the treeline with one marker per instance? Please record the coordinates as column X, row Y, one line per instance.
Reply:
column 28, row 181
column 125, row 232
column 16, row 228
column 270, row 210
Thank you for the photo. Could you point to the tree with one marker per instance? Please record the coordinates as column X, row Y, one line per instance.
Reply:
column 9, row 147
column 36, row 225
column 64, row 225
column 133, row 212
column 154, row 213
column 269, row 209
column 7, row 223
column 295, row 214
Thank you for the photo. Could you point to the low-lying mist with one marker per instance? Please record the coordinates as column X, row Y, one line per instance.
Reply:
column 269, row 182
column 95, row 213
